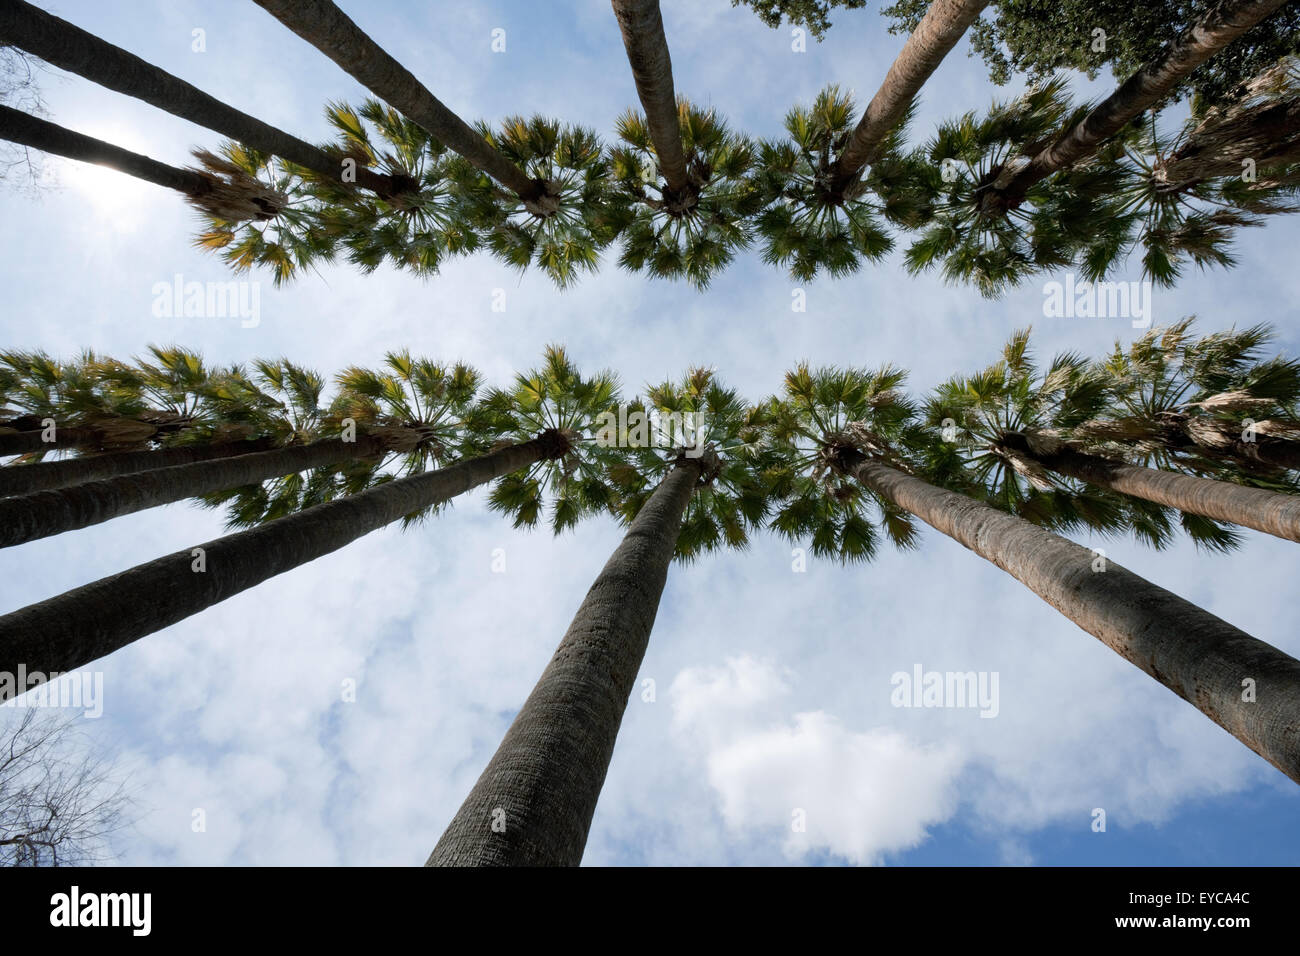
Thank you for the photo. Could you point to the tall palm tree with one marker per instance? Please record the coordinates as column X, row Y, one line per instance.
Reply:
column 1209, row 406
column 233, row 197
column 666, row 238
column 418, row 228
column 326, row 27
column 1229, row 168
column 1201, row 658
column 944, row 24
column 1013, row 420
column 584, row 211
column 534, row 802
column 27, row 478
column 642, row 26
column 993, row 248
column 811, row 223
column 86, row 623
column 44, row 513
column 70, row 48
column 99, row 404
column 1145, row 89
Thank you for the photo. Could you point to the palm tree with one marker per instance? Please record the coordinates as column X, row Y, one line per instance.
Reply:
column 1224, row 170
column 1201, row 658
column 418, row 228
column 1016, row 424
column 44, row 513
column 944, row 23
column 1054, row 223
column 811, row 223
column 326, row 27
column 70, row 48
column 28, row 478
column 1208, row 406
column 584, row 213
column 99, row 404
column 669, row 239
column 86, row 623
column 233, row 197
column 1144, row 90
column 642, row 26
column 534, row 802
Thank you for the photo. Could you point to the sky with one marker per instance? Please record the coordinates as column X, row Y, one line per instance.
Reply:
column 769, row 689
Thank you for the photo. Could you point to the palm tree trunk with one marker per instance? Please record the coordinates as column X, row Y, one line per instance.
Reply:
column 1200, row 657
column 86, row 623
column 27, row 130
column 29, row 517
column 944, row 23
column 534, row 803
column 70, row 48
column 1145, row 89
column 326, row 27
column 26, row 479
column 1272, row 512
column 642, row 26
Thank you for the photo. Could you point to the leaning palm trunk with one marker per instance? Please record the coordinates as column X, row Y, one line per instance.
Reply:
column 1198, row 656
column 70, row 48
column 1268, row 511
column 1145, row 89
column 642, row 26
column 236, row 200
column 88, row 622
column 326, row 27
column 534, row 803
column 26, row 479
column 29, row 517
column 944, row 23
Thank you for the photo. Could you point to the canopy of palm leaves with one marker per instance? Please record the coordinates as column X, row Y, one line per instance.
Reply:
column 979, row 414
column 691, row 240
column 697, row 417
column 819, row 412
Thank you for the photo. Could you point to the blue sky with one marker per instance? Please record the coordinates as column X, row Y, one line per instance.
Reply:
column 772, row 687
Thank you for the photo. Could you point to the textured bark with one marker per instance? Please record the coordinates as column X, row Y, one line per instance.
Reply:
column 642, row 26
column 326, row 27
column 70, row 48
column 29, row 517
column 88, row 622
column 24, row 479
column 545, row 778
column 1268, row 511
column 27, row 130
column 944, row 24
column 1145, row 89
column 1198, row 656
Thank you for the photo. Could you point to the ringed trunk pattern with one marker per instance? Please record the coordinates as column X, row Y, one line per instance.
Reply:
column 86, row 623
column 29, row 517
column 1268, row 511
column 326, row 27
column 1198, row 656
column 548, row 772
